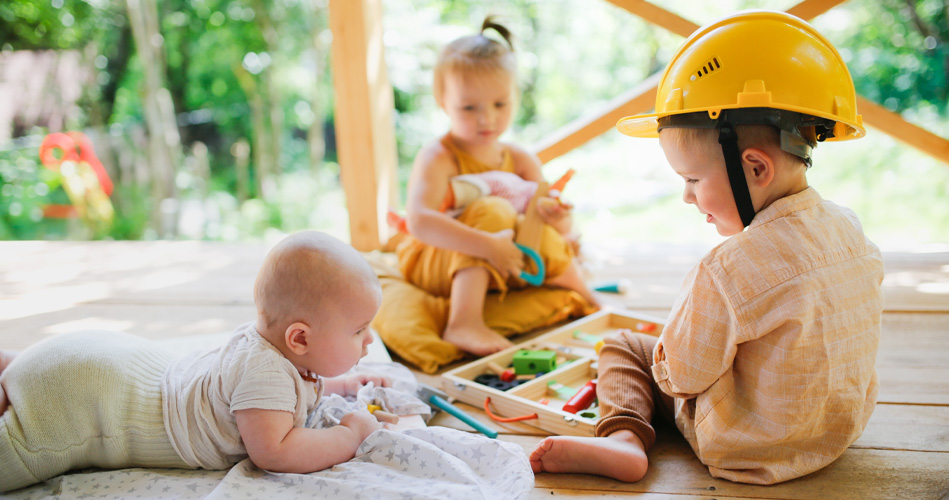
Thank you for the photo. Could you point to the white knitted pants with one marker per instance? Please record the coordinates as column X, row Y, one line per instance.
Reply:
column 86, row 399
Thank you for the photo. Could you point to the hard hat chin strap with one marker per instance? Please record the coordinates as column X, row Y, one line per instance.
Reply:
column 736, row 174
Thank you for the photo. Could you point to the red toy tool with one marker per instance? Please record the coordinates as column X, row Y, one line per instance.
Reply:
column 582, row 399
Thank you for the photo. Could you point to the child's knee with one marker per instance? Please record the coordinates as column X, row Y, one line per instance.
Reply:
column 491, row 213
column 556, row 252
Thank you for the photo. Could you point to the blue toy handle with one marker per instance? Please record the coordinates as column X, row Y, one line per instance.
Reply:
column 534, row 279
column 464, row 417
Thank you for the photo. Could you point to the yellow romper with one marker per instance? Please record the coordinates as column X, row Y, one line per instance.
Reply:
column 432, row 269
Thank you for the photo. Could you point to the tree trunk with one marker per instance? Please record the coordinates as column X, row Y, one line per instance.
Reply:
column 260, row 134
column 272, row 96
column 314, row 137
column 164, row 142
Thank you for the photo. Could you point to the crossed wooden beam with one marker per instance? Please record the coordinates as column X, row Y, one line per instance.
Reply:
column 642, row 98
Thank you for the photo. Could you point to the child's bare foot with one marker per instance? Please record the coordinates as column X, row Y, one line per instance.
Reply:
column 478, row 340
column 5, row 358
column 572, row 279
column 619, row 456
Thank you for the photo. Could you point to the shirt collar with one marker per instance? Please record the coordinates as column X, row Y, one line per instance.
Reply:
column 306, row 375
column 782, row 207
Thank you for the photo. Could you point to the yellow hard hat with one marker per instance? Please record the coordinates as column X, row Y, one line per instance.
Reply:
column 760, row 60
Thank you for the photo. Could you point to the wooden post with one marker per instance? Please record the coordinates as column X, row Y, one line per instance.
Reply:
column 365, row 133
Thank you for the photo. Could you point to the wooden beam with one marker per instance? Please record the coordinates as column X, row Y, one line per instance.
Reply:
column 806, row 10
column 896, row 127
column 365, row 135
column 658, row 16
column 580, row 131
column 809, row 9
column 639, row 99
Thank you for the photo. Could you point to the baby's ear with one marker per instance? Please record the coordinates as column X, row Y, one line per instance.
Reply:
column 297, row 337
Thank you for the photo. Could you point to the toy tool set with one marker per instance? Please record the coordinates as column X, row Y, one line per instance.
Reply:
column 550, row 381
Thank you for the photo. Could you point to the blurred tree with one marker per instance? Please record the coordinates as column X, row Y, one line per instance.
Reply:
column 898, row 53
column 164, row 140
column 249, row 79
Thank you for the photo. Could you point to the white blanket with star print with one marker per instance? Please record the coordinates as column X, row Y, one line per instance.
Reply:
column 425, row 463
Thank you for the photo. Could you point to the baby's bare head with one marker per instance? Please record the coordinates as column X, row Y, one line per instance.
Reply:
column 303, row 278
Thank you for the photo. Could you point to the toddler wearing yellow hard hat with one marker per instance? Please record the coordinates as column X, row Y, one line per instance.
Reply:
column 766, row 363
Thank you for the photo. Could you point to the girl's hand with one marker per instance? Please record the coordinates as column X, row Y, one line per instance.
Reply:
column 361, row 422
column 504, row 255
column 552, row 210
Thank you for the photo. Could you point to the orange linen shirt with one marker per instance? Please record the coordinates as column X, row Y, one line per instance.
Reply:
column 771, row 344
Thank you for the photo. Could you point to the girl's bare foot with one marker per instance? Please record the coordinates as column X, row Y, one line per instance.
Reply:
column 619, row 456
column 5, row 358
column 478, row 340
column 572, row 279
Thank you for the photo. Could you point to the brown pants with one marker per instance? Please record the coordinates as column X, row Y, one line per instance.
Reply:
column 626, row 390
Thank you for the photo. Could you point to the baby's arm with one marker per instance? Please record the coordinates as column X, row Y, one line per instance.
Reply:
column 428, row 184
column 274, row 444
column 348, row 385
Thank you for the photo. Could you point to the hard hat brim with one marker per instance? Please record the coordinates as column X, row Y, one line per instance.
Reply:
column 645, row 126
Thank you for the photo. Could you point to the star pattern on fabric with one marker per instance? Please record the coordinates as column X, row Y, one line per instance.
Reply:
column 426, row 463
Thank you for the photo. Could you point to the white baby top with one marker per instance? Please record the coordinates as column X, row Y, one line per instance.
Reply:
column 202, row 390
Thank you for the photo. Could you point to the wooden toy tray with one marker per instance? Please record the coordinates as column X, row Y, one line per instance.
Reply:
column 539, row 401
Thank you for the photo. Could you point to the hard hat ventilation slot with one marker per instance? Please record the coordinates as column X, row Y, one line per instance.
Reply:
column 707, row 68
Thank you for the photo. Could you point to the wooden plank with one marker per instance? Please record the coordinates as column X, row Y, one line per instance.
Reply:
column 154, row 322
column 907, row 427
column 912, row 363
column 858, row 473
column 365, row 135
column 896, row 127
column 658, row 16
column 809, row 9
column 892, row 427
column 547, row 493
column 914, row 340
column 913, row 282
column 639, row 99
column 928, row 385
column 47, row 273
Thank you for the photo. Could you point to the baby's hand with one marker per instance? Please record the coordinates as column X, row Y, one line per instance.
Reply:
column 352, row 383
column 361, row 422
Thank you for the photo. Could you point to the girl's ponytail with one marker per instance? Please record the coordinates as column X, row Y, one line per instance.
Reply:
column 489, row 23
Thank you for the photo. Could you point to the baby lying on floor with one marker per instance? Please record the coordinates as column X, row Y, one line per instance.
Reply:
column 111, row 400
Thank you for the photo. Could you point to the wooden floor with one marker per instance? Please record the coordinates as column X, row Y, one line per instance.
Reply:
column 166, row 290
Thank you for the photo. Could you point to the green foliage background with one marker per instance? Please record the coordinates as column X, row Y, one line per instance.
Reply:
column 574, row 56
